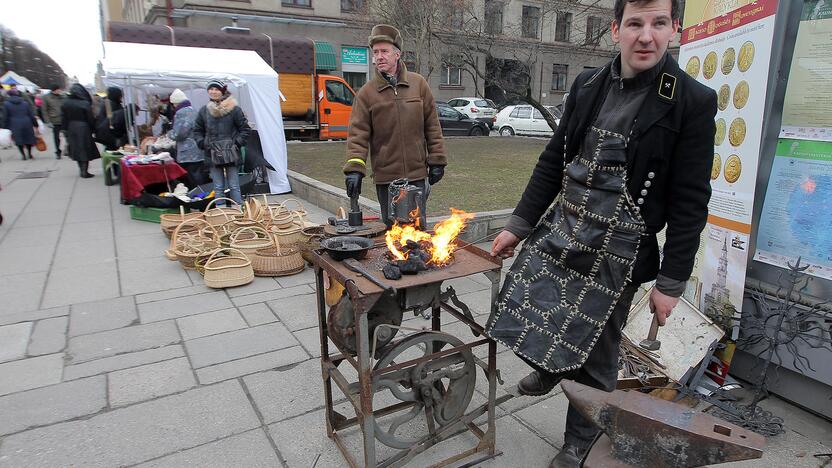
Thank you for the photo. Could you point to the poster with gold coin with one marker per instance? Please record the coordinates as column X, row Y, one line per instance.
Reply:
column 732, row 39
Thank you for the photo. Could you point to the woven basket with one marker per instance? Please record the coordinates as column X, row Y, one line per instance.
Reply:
column 187, row 246
column 221, row 214
column 248, row 245
column 311, row 240
column 168, row 222
column 254, row 210
column 288, row 236
column 300, row 209
column 226, row 268
column 277, row 261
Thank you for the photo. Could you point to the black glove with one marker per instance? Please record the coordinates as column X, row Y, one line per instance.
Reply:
column 353, row 183
column 435, row 174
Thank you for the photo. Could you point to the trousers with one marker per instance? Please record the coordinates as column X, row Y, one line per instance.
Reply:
column 226, row 177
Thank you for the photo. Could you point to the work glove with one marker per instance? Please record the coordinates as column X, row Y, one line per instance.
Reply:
column 435, row 174
column 353, row 183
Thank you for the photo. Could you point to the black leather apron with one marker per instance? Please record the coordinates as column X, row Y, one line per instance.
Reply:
column 571, row 271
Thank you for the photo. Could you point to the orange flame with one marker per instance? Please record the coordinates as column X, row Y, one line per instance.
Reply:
column 442, row 242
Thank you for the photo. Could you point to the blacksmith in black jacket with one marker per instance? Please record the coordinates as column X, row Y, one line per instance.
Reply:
column 661, row 122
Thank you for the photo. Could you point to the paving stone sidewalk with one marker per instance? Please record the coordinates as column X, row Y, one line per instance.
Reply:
column 111, row 355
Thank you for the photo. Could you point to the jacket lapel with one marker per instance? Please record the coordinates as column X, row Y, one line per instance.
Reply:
column 590, row 92
column 660, row 99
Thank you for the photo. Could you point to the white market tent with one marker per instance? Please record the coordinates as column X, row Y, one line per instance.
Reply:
column 159, row 69
column 12, row 78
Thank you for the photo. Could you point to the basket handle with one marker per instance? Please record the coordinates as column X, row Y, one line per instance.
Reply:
column 237, row 254
column 342, row 213
column 209, row 205
column 300, row 222
column 253, row 229
column 300, row 205
column 182, row 212
column 276, row 243
column 187, row 221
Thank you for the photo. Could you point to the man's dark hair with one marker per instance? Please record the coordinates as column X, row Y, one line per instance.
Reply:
column 620, row 4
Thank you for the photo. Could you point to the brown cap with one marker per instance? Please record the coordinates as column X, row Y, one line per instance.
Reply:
column 386, row 33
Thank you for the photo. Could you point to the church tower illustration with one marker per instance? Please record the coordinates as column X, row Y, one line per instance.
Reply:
column 719, row 294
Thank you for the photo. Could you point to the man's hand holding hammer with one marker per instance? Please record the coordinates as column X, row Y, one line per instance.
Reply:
column 662, row 305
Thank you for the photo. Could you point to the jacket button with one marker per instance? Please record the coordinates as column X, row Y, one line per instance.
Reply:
column 640, row 201
column 647, row 183
column 651, row 175
column 637, row 209
column 643, row 192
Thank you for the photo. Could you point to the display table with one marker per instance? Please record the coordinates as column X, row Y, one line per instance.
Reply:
column 135, row 177
column 109, row 159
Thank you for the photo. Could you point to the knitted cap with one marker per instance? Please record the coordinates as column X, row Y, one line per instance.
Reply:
column 177, row 96
column 385, row 33
column 216, row 84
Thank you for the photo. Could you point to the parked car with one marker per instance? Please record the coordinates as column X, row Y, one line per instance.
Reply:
column 454, row 122
column 475, row 108
column 522, row 119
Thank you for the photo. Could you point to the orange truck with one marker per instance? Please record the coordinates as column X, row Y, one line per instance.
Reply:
column 314, row 106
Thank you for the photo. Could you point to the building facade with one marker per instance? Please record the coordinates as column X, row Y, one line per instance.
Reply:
column 472, row 47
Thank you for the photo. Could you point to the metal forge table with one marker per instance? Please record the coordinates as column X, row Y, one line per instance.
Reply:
column 419, row 382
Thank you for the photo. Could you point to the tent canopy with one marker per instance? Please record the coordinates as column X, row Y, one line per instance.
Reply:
column 12, row 78
column 159, row 69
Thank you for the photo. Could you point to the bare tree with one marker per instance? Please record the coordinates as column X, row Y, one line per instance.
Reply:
column 24, row 58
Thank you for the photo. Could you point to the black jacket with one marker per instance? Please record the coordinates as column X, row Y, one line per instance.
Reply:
column 79, row 124
column 672, row 138
column 220, row 121
column 111, row 132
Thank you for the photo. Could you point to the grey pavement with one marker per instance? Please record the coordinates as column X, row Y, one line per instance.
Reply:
column 112, row 355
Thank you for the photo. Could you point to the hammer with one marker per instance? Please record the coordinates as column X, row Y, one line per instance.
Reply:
column 651, row 343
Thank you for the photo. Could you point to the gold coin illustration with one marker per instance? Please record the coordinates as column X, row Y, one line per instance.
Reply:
column 746, row 56
column 693, row 67
column 736, row 132
column 716, row 167
column 709, row 67
column 741, row 94
column 729, row 57
column 719, row 136
column 733, row 168
column 723, row 97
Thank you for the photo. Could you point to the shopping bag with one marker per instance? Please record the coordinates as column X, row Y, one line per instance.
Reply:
column 64, row 144
column 41, row 129
column 5, row 138
column 41, row 144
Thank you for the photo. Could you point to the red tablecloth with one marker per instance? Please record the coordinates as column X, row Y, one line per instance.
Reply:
column 135, row 177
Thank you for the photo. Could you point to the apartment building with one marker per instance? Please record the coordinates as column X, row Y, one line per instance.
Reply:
column 467, row 47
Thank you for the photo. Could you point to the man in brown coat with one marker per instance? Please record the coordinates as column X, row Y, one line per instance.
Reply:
column 394, row 122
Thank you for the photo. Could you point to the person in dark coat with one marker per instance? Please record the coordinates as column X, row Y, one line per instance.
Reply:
column 51, row 111
column 632, row 155
column 221, row 125
column 110, row 122
column 188, row 154
column 79, row 123
column 19, row 118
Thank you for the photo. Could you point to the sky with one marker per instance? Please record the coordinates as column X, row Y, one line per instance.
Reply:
column 69, row 31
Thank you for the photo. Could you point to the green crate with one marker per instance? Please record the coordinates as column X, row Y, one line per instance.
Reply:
column 150, row 214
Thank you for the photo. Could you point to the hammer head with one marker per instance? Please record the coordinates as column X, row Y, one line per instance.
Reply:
column 650, row 345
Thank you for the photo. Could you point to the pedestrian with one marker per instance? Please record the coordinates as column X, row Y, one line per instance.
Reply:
column 77, row 118
column 188, row 154
column 394, row 122
column 110, row 122
column 220, row 130
column 633, row 153
column 51, row 109
column 20, row 119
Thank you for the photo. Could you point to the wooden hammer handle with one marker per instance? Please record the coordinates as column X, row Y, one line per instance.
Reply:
column 654, row 328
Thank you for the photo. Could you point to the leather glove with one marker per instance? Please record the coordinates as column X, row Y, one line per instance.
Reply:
column 435, row 174
column 353, row 183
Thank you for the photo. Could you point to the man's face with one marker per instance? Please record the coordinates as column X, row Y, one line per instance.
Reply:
column 214, row 94
column 644, row 34
column 386, row 57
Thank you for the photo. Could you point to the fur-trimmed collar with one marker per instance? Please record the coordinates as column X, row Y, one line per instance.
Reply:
column 222, row 108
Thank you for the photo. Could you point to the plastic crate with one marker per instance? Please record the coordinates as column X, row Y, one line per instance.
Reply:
column 150, row 215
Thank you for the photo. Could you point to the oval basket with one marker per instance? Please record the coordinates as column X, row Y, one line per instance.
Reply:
column 188, row 246
column 169, row 221
column 227, row 268
column 291, row 235
column 277, row 261
column 221, row 214
column 241, row 241
column 310, row 240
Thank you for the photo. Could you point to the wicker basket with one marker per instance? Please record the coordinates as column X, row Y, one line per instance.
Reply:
column 311, row 240
column 248, row 245
column 226, row 268
column 277, row 261
column 254, row 210
column 291, row 235
column 221, row 214
column 300, row 209
column 168, row 222
column 187, row 246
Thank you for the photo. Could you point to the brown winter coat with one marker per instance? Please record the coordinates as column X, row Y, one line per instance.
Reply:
column 397, row 128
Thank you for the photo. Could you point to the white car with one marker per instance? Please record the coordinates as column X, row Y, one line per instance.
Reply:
column 522, row 119
column 475, row 108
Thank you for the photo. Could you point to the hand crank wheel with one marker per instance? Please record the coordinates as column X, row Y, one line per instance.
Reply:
column 446, row 384
column 341, row 322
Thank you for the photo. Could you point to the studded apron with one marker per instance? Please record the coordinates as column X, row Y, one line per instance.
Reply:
column 572, row 270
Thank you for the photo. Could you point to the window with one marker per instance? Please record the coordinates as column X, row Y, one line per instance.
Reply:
column 537, row 115
column 559, row 72
column 594, row 29
column 350, row 5
column 563, row 26
column 453, row 15
column 337, row 92
column 448, row 113
column 493, row 17
column 409, row 59
column 355, row 80
column 451, row 74
column 523, row 112
column 481, row 103
column 531, row 22
column 297, row 3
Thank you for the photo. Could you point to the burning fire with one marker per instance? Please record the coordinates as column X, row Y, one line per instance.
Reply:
column 440, row 245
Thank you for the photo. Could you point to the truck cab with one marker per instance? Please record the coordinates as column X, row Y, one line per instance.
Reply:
column 335, row 98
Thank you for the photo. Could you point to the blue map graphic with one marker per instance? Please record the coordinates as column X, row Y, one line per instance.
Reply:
column 810, row 206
